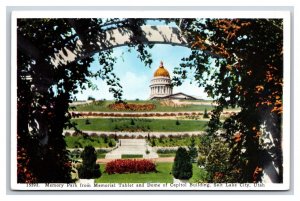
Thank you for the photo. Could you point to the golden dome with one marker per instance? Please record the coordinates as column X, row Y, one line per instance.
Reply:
column 161, row 71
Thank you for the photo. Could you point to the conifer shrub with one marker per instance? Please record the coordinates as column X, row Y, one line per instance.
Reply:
column 89, row 169
column 182, row 166
column 205, row 115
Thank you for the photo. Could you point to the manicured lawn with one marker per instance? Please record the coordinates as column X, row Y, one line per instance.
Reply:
column 132, row 156
column 101, row 155
column 162, row 176
column 102, row 106
column 83, row 141
column 166, row 155
column 172, row 141
column 137, row 124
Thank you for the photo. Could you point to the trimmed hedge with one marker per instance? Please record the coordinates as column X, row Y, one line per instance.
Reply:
column 120, row 166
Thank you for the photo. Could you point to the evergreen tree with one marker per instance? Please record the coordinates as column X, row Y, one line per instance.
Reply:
column 87, row 121
column 182, row 166
column 205, row 115
column 89, row 168
column 132, row 122
column 91, row 98
column 193, row 150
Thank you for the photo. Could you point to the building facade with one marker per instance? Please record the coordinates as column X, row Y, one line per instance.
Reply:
column 161, row 87
column 161, row 83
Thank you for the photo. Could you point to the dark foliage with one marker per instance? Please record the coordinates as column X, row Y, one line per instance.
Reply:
column 89, row 169
column 46, row 88
column 182, row 166
column 192, row 150
column 205, row 115
column 239, row 62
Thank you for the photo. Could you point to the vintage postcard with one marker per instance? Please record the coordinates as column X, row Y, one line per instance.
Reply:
column 150, row 100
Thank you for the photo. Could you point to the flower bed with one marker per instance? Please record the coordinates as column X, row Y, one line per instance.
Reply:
column 132, row 107
column 120, row 166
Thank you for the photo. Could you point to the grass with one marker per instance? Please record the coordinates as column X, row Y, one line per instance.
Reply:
column 101, row 155
column 83, row 141
column 102, row 106
column 132, row 156
column 135, row 125
column 172, row 141
column 166, row 155
column 76, row 154
column 166, row 152
column 163, row 175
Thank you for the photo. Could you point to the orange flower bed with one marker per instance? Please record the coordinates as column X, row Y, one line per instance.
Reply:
column 131, row 107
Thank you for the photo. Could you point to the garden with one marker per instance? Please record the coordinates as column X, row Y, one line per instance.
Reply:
column 139, row 124
column 140, row 170
column 139, row 105
column 163, row 174
column 172, row 140
column 83, row 140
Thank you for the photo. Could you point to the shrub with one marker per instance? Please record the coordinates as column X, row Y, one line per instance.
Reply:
column 105, row 139
column 91, row 98
column 201, row 160
column 75, row 154
column 140, row 137
column 77, row 145
column 67, row 134
column 89, row 169
column 182, row 166
column 193, row 152
column 76, row 133
column 132, row 122
column 120, row 166
column 205, row 115
column 153, row 143
column 111, row 143
column 93, row 135
column 103, row 135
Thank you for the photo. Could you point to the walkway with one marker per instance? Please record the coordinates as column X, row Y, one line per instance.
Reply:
column 157, row 160
column 132, row 147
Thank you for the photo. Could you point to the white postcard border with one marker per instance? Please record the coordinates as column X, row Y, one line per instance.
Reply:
column 286, row 15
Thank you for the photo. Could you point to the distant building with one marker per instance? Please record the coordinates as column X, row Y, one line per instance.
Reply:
column 161, row 87
column 181, row 95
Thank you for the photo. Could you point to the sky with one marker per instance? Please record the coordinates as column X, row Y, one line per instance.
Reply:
column 135, row 77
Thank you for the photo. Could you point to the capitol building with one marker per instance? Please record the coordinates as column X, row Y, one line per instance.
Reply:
column 161, row 87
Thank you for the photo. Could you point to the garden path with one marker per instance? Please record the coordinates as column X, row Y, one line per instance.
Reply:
column 157, row 160
column 132, row 147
